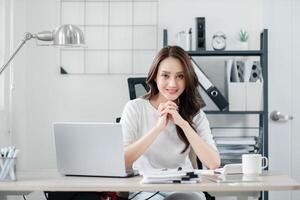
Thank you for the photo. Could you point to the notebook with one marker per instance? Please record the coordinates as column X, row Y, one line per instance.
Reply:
column 90, row 149
column 233, row 178
column 236, row 168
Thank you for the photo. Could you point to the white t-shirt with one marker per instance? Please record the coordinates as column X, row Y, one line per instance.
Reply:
column 139, row 117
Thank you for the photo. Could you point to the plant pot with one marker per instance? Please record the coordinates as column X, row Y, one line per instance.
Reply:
column 244, row 45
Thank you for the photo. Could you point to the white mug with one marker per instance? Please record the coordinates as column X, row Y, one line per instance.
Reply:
column 253, row 163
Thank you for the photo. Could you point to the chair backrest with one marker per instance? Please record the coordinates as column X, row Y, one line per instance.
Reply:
column 137, row 87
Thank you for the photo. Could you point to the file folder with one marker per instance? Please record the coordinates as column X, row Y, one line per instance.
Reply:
column 210, row 89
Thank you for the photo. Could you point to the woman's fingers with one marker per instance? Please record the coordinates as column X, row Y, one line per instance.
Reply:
column 161, row 106
column 171, row 104
column 164, row 112
column 167, row 111
column 167, row 108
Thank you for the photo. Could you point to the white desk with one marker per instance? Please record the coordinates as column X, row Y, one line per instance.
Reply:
column 28, row 182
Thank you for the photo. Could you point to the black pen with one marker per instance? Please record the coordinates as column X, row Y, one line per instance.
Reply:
column 180, row 181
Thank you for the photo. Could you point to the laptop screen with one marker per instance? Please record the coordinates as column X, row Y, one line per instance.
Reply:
column 90, row 149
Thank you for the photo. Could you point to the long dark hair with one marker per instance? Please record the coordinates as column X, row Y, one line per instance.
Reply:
column 189, row 100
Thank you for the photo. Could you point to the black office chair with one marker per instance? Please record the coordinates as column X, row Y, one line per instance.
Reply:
column 137, row 87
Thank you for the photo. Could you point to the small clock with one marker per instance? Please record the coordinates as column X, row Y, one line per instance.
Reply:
column 219, row 41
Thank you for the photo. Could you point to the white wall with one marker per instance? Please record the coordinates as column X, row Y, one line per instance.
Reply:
column 43, row 96
column 5, row 76
column 2, row 113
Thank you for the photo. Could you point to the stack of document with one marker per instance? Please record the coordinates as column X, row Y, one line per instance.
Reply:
column 236, row 148
column 235, row 132
column 159, row 176
column 235, row 140
column 233, row 153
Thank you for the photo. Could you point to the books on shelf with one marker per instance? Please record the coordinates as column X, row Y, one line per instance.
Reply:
column 235, row 140
column 233, row 151
column 235, row 132
column 236, row 147
column 230, row 161
column 231, row 156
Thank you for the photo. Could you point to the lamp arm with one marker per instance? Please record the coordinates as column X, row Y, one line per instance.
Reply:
column 27, row 36
column 44, row 36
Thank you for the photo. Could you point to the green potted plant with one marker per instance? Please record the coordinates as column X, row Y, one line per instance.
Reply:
column 243, row 37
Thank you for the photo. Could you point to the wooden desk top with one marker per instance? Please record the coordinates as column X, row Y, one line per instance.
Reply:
column 54, row 182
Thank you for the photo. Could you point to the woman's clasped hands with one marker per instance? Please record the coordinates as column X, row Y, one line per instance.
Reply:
column 168, row 111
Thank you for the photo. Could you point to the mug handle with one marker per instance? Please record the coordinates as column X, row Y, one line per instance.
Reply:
column 265, row 163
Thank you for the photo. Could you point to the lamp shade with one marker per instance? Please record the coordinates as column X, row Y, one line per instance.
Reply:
column 68, row 35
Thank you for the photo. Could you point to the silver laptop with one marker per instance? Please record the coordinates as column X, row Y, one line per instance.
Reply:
column 90, row 149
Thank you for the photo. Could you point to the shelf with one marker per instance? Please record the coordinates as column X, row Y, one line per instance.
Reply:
column 218, row 112
column 226, row 53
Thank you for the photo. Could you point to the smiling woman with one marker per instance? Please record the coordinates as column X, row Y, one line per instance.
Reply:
column 161, row 128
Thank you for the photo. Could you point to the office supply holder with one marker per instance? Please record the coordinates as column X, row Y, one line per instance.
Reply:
column 8, row 169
